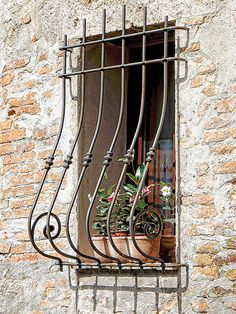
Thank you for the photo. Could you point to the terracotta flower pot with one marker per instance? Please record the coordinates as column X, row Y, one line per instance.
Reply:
column 126, row 246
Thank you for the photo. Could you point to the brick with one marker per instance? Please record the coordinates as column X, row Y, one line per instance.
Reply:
column 19, row 191
column 26, row 179
column 44, row 70
column 210, row 247
column 24, row 146
column 221, row 261
column 28, row 99
column 6, row 148
column 29, row 257
column 208, row 272
column 205, row 212
column 199, row 199
column 13, row 135
column 7, row 79
column 5, row 125
column 216, row 123
column 4, row 248
column 43, row 57
column 39, row 133
column 205, row 69
column 202, row 307
column 225, row 167
column 217, row 136
column 20, row 168
column 193, row 47
column 30, row 84
column 21, row 63
column 209, row 90
column 220, row 291
column 226, row 105
column 222, row 149
column 231, row 274
column 22, row 212
column 32, row 109
column 47, row 94
column 18, row 249
column 14, row 159
column 203, row 260
column 20, row 202
column 197, row 81
column 22, row 236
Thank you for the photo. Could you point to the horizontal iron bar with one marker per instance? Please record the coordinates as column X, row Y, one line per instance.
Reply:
column 152, row 31
column 120, row 66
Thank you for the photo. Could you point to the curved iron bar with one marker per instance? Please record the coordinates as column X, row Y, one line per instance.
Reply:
column 68, row 160
column 88, row 156
column 49, row 163
column 157, row 225
column 151, row 152
column 108, row 156
column 130, row 152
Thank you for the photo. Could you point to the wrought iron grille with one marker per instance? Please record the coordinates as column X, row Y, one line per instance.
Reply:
column 64, row 258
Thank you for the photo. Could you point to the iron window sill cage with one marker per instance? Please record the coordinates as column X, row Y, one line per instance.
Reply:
column 63, row 258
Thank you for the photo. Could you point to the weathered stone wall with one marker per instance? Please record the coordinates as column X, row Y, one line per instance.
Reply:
column 30, row 101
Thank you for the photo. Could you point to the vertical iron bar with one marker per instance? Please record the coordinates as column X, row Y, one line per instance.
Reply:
column 108, row 157
column 130, row 152
column 88, row 156
column 87, row 223
column 152, row 150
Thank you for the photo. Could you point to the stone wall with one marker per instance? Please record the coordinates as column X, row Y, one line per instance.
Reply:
column 30, row 100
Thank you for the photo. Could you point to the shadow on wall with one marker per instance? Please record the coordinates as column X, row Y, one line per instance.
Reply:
column 147, row 293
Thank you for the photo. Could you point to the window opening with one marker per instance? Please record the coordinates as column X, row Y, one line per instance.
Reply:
column 151, row 133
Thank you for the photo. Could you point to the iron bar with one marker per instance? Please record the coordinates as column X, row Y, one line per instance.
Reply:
column 49, row 163
column 88, row 157
column 108, row 157
column 126, row 36
column 151, row 153
column 127, row 65
column 68, row 160
column 129, row 156
column 136, row 264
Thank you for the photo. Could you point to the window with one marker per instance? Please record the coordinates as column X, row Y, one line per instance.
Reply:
column 127, row 93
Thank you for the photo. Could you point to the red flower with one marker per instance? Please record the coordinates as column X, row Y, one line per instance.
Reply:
column 110, row 198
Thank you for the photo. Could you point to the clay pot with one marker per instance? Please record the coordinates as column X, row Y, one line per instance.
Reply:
column 126, row 246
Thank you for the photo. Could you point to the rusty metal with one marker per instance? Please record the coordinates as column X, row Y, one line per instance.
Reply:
column 53, row 225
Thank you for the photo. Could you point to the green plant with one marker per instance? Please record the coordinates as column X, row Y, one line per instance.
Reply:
column 123, row 204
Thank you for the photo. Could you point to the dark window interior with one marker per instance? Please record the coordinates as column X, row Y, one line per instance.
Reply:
column 163, row 167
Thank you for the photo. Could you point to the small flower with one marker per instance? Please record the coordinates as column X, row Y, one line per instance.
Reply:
column 166, row 191
column 146, row 190
column 110, row 198
column 132, row 199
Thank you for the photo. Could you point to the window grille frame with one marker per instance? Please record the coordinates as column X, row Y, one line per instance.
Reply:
column 96, row 265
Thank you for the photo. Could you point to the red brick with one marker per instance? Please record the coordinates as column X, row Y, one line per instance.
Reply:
column 225, row 167
column 6, row 79
column 13, row 135
column 5, row 125
column 44, row 70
